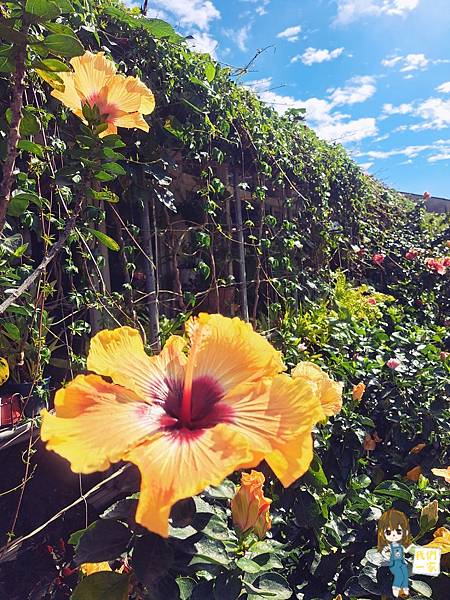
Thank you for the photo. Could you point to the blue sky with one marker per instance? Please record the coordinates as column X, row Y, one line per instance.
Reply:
column 372, row 74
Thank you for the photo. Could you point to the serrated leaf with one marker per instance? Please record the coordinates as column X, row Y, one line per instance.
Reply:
column 105, row 240
column 102, row 586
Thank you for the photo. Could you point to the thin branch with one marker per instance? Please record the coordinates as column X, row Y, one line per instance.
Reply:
column 53, row 252
column 15, row 545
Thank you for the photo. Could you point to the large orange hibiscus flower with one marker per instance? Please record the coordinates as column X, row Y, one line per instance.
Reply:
column 121, row 101
column 186, row 420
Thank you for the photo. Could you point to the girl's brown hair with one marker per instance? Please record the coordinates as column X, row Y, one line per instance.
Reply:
column 391, row 519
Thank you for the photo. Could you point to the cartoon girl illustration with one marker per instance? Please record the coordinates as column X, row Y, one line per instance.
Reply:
column 394, row 538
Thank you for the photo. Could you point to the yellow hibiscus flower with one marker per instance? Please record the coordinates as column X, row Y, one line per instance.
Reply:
column 121, row 101
column 186, row 421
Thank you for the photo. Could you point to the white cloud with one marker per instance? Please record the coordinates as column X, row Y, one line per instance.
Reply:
column 195, row 12
column 435, row 113
column 239, row 36
column 444, row 88
column 401, row 109
column 412, row 62
column 349, row 11
column 391, row 62
column 444, row 155
column 356, row 90
column 366, row 166
column 290, row 34
column 313, row 55
column 327, row 123
column 202, row 42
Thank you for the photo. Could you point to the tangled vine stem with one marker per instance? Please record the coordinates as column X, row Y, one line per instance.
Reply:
column 14, row 131
column 54, row 250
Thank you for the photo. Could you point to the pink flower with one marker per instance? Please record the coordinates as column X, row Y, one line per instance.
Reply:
column 411, row 254
column 426, row 195
column 446, row 261
column 438, row 265
column 372, row 301
column 378, row 259
column 444, row 355
column 393, row 363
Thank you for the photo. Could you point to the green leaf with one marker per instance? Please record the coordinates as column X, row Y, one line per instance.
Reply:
column 394, row 489
column 421, row 587
column 63, row 45
column 32, row 148
column 210, row 551
column 102, row 586
column 160, row 29
column 17, row 205
column 105, row 195
column 105, row 239
column 29, row 124
column 227, row 586
column 152, row 558
column 105, row 540
column 225, row 491
column 316, row 470
column 12, row 331
column 210, row 71
column 104, row 176
column 52, row 79
column 186, row 586
column 248, row 565
column 429, row 516
column 42, row 10
column 269, row 585
column 53, row 65
column 114, row 168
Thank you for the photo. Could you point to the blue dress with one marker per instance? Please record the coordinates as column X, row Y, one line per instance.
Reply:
column 397, row 566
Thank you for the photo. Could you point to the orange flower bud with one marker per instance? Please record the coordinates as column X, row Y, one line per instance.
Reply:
column 249, row 508
column 358, row 391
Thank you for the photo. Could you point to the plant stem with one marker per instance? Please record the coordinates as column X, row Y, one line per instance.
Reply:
column 54, row 250
column 14, row 133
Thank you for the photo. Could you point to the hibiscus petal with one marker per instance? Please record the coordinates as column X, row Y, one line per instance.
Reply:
column 70, row 96
column 96, row 422
column 329, row 391
column 132, row 120
column 92, row 73
column 277, row 417
column 117, row 92
column 231, row 352
column 179, row 464
column 147, row 104
column 119, row 354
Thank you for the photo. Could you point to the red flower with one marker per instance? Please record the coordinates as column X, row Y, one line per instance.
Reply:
column 378, row 259
column 444, row 355
column 393, row 363
column 372, row 301
column 411, row 254
column 426, row 195
column 438, row 265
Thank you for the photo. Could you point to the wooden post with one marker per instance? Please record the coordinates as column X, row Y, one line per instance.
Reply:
column 241, row 248
column 150, row 279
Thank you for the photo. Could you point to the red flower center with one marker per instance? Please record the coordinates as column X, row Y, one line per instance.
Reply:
column 207, row 408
